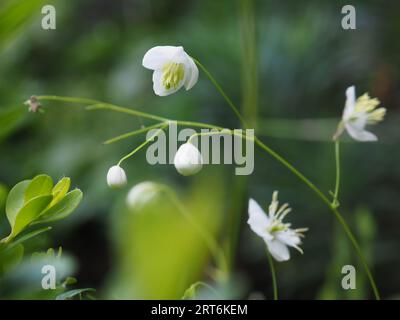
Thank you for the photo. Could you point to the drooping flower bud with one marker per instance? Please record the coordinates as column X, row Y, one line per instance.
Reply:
column 116, row 177
column 142, row 193
column 188, row 160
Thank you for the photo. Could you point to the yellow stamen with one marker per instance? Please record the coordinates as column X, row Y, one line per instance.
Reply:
column 173, row 74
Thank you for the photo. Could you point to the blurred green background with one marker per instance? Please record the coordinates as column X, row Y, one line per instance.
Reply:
column 287, row 64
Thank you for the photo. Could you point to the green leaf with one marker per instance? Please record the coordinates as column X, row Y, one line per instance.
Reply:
column 41, row 185
column 28, row 236
column 28, row 214
column 15, row 200
column 63, row 208
column 72, row 293
column 60, row 189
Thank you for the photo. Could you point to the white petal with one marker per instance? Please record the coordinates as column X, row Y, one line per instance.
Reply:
column 289, row 237
column 156, row 57
column 258, row 220
column 191, row 73
column 350, row 102
column 360, row 134
column 158, row 86
column 278, row 250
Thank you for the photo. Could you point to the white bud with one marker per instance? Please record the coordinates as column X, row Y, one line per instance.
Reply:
column 188, row 160
column 116, row 177
column 141, row 194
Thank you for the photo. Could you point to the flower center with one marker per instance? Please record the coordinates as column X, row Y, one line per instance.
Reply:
column 173, row 74
column 277, row 226
column 366, row 105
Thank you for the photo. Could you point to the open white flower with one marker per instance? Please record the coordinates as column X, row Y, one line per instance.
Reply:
column 116, row 177
column 173, row 68
column 188, row 160
column 358, row 113
column 276, row 234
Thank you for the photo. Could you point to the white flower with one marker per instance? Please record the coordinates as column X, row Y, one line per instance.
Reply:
column 276, row 234
column 142, row 193
column 116, row 177
column 359, row 113
column 173, row 68
column 188, row 160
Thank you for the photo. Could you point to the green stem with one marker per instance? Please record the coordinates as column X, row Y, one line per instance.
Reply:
column 273, row 275
column 221, row 91
column 311, row 185
column 133, row 133
column 141, row 145
column 337, row 182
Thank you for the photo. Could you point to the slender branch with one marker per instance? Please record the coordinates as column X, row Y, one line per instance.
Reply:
column 133, row 133
column 141, row 145
column 222, row 92
column 273, row 275
column 311, row 185
column 335, row 202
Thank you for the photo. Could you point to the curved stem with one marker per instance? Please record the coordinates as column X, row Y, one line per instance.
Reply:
column 303, row 178
column 273, row 275
column 141, row 146
column 222, row 92
column 133, row 133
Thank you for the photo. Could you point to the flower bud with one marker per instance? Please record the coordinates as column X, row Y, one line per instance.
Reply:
column 188, row 160
column 116, row 177
column 141, row 194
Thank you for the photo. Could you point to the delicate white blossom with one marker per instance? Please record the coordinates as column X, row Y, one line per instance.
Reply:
column 173, row 68
column 276, row 234
column 142, row 193
column 188, row 160
column 358, row 113
column 116, row 177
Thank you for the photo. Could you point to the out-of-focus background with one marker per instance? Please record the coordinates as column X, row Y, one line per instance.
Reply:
column 286, row 63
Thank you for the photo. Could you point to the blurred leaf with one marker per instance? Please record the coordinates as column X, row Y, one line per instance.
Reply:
column 40, row 185
column 10, row 258
column 10, row 119
column 73, row 293
column 3, row 196
column 14, row 15
column 63, row 208
column 28, row 236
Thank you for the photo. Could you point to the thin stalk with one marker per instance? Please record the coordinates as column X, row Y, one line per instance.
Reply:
column 141, row 146
column 133, row 133
column 273, row 275
column 311, row 185
column 337, row 182
column 221, row 91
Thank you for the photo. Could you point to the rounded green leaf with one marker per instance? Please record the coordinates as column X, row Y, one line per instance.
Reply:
column 63, row 208
column 60, row 189
column 30, row 211
column 15, row 200
column 40, row 185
